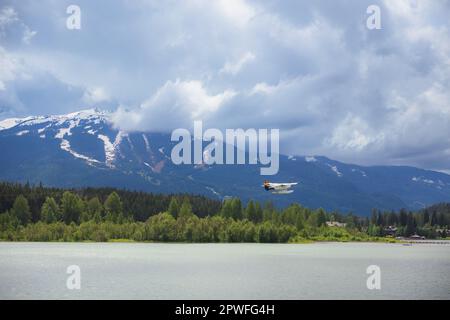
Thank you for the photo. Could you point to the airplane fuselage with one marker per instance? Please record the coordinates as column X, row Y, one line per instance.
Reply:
column 282, row 188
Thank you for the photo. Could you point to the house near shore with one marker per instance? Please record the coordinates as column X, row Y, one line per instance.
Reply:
column 443, row 232
column 336, row 224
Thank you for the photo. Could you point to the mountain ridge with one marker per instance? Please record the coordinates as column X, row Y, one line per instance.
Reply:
column 83, row 149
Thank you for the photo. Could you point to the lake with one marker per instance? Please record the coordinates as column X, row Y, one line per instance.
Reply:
column 224, row 271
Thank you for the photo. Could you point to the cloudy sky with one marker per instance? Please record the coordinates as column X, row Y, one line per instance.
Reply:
column 310, row 68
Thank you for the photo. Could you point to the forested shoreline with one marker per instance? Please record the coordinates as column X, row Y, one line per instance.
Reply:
column 37, row 213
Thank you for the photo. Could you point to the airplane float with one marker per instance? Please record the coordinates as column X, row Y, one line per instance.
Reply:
column 279, row 188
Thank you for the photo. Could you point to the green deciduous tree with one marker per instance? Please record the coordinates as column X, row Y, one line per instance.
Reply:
column 71, row 207
column 113, row 208
column 21, row 210
column 50, row 211
column 94, row 209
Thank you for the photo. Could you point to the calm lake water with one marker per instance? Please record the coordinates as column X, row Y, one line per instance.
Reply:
column 224, row 271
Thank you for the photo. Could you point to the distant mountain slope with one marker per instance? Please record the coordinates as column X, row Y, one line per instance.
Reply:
column 83, row 149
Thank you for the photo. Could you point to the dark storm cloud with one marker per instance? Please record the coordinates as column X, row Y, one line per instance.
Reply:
column 310, row 68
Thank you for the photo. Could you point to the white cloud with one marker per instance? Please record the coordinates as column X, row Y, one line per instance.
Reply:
column 237, row 11
column 11, row 68
column 263, row 88
column 235, row 67
column 96, row 95
column 310, row 68
column 176, row 104
column 353, row 134
column 7, row 16
column 28, row 34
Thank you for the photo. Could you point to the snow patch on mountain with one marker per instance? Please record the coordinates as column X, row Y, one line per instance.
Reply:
column 422, row 179
column 129, row 142
column 67, row 131
column 111, row 148
column 363, row 173
column 310, row 159
column 31, row 121
column 41, row 130
column 9, row 123
column 213, row 191
column 335, row 170
column 12, row 122
column 65, row 145
column 93, row 115
column 147, row 144
column 21, row 133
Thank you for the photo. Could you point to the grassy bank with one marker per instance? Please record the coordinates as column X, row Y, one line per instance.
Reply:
column 165, row 228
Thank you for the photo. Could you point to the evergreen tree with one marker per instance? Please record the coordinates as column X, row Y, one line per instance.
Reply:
column 174, row 207
column 433, row 220
column 410, row 225
column 250, row 211
column 185, row 209
column 374, row 217
column 289, row 215
column 267, row 211
column 426, row 217
column 227, row 210
column 236, row 209
column 258, row 212
column 392, row 219
column 321, row 217
column 380, row 219
column 403, row 217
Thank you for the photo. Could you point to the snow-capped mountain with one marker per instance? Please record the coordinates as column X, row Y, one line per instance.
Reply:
column 84, row 149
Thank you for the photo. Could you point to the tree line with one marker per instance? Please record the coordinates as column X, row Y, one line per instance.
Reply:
column 35, row 213
column 136, row 204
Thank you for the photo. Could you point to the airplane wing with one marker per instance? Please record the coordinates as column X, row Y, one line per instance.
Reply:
column 282, row 186
column 291, row 184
